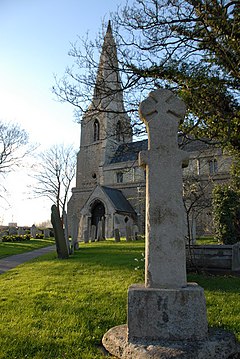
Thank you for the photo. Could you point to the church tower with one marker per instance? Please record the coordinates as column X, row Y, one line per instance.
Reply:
column 105, row 125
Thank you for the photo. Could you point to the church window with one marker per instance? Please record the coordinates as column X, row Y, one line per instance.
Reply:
column 198, row 167
column 213, row 166
column 96, row 129
column 119, row 135
column 119, row 177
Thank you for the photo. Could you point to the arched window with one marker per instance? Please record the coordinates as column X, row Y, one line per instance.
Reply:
column 96, row 129
column 118, row 131
column 119, row 176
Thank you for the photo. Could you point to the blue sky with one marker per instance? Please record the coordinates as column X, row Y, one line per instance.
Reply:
column 35, row 37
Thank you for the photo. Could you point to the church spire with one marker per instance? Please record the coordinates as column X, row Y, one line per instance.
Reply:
column 108, row 87
column 109, row 28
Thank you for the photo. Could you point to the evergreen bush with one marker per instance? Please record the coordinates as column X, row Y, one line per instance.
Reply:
column 226, row 214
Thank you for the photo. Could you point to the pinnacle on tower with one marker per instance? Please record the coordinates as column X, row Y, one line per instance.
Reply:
column 109, row 28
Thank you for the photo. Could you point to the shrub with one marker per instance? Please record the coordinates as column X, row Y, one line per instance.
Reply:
column 39, row 236
column 16, row 238
column 226, row 214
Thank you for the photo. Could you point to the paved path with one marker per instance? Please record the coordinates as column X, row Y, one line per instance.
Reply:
column 13, row 261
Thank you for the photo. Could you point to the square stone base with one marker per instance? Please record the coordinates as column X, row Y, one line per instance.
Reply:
column 171, row 314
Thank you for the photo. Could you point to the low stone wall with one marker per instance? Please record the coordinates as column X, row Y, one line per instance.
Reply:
column 214, row 257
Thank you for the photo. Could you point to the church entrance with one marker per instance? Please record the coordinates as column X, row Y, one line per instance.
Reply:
column 98, row 220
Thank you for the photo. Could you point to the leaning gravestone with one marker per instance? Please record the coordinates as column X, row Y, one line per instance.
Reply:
column 61, row 244
column 166, row 316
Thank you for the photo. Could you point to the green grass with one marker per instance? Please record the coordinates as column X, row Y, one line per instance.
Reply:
column 206, row 240
column 222, row 297
column 53, row 308
column 11, row 248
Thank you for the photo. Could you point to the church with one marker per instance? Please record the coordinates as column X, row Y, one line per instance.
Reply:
column 110, row 186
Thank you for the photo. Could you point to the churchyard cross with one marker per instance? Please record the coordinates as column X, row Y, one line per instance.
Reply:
column 167, row 317
column 165, row 246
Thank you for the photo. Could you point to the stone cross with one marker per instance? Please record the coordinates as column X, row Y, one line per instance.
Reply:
column 165, row 264
column 167, row 317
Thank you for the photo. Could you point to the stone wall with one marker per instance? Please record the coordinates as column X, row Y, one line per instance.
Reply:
column 214, row 258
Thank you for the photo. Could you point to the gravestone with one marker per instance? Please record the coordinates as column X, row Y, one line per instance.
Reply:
column 33, row 231
column 46, row 232
column 135, row 232
column 128, row 232
column 61, row 245
column 116, row 235
column 93, row 233
column 86, row 236
column 167, row 316
column 12, row 231
column 21, row 231
column 99, row 231
column 65, row 223
column 74, row 233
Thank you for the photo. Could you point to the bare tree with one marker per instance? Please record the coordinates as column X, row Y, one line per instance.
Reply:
column 54, row 174
column 189, row 46
column 196, row 199
column 13, row 146
column 86, row 79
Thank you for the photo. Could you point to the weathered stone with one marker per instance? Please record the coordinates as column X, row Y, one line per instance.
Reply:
column 135, row 232
column 66, row 235
column 33, row 231
column 171, row 314
column 61, row 245
column 128, row 233
column 117, row 235
column 12, row 231
column 74, row 233
column 218, row 345
column 99, row 231
column 85, row 236
column 21, row 231
column 93, row 233
column 167, row 317
column 46, row 232
column 165, row 224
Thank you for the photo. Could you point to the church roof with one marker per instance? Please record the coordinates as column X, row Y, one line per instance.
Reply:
column 129, row 151
column 118, row 200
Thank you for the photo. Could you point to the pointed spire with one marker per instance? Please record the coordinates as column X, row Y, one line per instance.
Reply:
column 108, row 82
column 109, row 28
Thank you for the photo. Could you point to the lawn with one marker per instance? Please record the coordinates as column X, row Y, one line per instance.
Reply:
column 53, row 308
column 206, row 240
column 11, row 248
